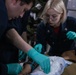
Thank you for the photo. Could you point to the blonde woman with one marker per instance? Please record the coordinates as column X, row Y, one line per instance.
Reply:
column 56, row 29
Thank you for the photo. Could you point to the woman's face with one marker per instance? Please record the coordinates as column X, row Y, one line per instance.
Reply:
column 53, row 17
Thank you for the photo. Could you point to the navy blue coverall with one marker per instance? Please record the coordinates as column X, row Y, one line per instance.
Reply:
column 58, row 41
column 3, row 26
column 8, row 52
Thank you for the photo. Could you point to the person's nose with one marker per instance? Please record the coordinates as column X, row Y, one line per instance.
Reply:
column 50, row 20
column 50, row 17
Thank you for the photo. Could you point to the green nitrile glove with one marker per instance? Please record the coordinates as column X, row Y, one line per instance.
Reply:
column 41, row 59
column 38, row 48
column 22, row 55
column 71, row 35
column 14, row 68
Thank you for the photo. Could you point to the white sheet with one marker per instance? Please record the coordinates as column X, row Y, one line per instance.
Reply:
column 57, row 66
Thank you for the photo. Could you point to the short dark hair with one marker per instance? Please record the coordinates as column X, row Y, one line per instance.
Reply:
column 27, row 2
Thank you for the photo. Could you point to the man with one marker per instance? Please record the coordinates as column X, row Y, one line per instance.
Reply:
column 11, row 9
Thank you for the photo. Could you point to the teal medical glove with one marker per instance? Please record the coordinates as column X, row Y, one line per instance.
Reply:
column 22, row 55
column 71, row 35
column 14, row 68
column 40, row 59
column 38, row 47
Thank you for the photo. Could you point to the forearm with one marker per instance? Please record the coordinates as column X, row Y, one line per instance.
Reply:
column 16, row 39
column 26, row 69
column 40, row 59
column 24, row 36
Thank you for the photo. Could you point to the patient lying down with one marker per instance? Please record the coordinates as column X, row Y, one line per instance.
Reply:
column 57, row 67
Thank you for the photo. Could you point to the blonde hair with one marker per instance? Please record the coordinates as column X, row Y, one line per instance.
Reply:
column 58, row 6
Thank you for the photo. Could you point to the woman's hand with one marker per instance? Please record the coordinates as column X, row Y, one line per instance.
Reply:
column 71, row 35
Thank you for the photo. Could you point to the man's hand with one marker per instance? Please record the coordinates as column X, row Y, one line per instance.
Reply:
column 40, row 59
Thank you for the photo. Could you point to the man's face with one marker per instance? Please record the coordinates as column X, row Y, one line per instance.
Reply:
column 14, row 9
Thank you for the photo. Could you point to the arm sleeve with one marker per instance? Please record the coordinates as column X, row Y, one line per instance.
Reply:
column 3, row 18
column 41, row 36
column 72, row 23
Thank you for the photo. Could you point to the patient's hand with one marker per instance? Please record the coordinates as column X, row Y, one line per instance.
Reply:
column 26, row 69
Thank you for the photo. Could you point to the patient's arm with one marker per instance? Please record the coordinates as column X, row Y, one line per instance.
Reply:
column 69, row 55
column 26, row 69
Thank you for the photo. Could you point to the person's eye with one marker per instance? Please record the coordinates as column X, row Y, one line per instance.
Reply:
column 54, row 16
column 47, row 16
